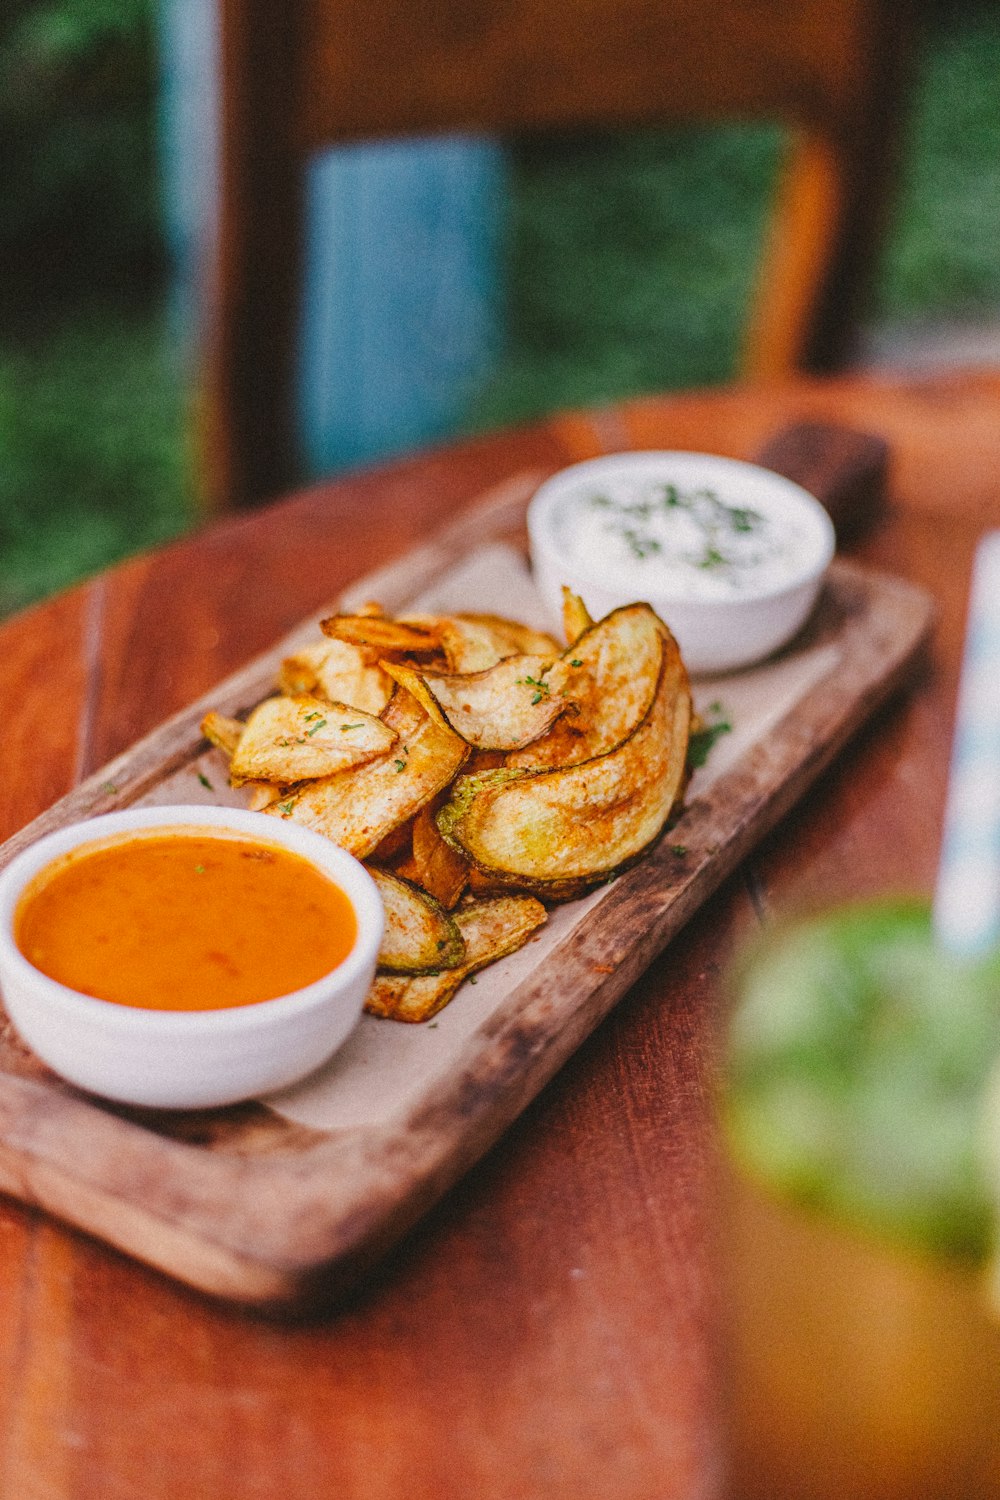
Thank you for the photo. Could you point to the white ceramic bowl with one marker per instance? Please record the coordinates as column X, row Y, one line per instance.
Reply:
column 716, row 632
column 189, row 1059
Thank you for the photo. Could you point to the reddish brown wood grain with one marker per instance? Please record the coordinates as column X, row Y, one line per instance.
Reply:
column 549, row 1328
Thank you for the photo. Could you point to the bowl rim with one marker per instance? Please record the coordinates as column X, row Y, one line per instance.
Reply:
column 548, row 493
column 343, row 868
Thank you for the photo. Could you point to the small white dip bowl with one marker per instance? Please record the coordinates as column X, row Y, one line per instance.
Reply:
column 731, row 556
column 188, row 1059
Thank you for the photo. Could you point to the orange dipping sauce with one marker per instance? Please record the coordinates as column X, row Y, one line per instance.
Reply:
column 182, row 919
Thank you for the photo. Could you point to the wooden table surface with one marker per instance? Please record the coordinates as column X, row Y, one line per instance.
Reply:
column 550, row 1330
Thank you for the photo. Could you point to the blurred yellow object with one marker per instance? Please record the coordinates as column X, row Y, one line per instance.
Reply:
column 857, row 1371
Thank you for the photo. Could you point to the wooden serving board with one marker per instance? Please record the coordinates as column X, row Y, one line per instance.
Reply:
column 284, row 1202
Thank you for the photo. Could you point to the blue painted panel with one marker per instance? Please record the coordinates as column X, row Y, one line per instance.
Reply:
column 401, row 305
column 401, row 297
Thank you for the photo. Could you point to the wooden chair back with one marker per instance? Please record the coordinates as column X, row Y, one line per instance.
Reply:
column 304, row 74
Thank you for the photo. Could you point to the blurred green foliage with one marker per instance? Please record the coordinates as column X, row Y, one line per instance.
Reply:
column 629, row 267
column 93, row 447
column 78, row 211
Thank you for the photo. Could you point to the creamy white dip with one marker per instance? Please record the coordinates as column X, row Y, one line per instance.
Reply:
column 682, row 540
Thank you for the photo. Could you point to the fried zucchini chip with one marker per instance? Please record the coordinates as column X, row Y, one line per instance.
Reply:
column 301, row 738
column 223, row 733
column 360, row 807
column 507, row 706
column 419, row 933
column 576, row 616
column 491, row 929
column 381, row 636
column 338, row 671
column 559, row 833
column 614, row 668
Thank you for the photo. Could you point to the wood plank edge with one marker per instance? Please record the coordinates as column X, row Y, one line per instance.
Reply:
column 482, row 1100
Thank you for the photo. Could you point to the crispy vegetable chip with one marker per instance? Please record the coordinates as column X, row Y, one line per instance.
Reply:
column 380, row 635
column 505, row 707
column 491, row 929
column 419, row 933
column 359, row 808
column 295, row 739
column 438, row 867
column 576, row 616
column 511, row 637
column 338, row 671
column 261, row 794
column 222, row 732
column 558, row 833
column 613, row 671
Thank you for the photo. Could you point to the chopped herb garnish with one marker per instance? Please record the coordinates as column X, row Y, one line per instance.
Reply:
column 316, row 727
column 110, row 788
column 642, row 546
column 541, row 687
column 285, row 808
column 347, row 726
column 702, row 739
column 679, row 849
column 576, row 662
column 314, row 715
column 199, row 869
column 205, row 781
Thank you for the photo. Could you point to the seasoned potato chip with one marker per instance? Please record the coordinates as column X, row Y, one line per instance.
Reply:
column 576, row 616
column 411, row 680
column 338, row 671
column 491, row 929
column 358, row 808
column 505, row 707
column 438, row 867
column 558, row 833
column 396, row 845
column 261, row 794
column 511, row 637
column 419, row 933
column 222, row 732
column 470, row 647
column 381, row 635
column 613, row 671
column 297, row 739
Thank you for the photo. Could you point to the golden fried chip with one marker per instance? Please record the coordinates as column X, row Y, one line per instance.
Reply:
column 436, row 866
column 295, row 739
column 613, row 671
column 491, row 929
column 381, row 635
column 222, row 732
column 576, row 616
column 511, row 637
column 261, row 794
column 338, row 671
column 419, row 933
column 359, row 808
column 507, row 706
column 558, row 833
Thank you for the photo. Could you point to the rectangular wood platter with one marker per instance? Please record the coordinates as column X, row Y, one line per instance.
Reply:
column 284, row 1203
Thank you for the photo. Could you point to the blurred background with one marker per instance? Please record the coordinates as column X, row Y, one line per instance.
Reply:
column 625, row 265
